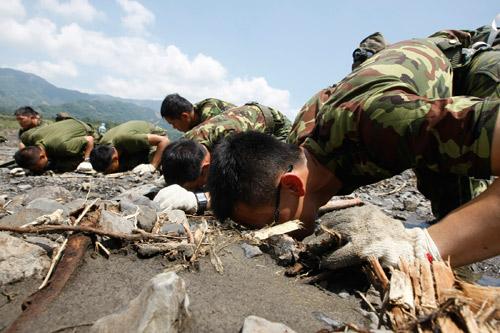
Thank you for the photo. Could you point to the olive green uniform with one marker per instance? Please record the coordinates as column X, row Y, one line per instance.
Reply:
column 130, row 139
column 63, row 141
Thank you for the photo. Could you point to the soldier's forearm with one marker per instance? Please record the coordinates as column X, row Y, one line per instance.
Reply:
column 161, row 142
column 88, row 147
column 471, row 232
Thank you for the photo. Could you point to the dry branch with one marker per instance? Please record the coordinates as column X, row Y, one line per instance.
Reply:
column 51, row 229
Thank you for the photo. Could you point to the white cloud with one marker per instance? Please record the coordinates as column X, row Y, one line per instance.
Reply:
column 49, row 70
column 12, row 8
column 130, row 67
column 80, row 10
column 137, row 16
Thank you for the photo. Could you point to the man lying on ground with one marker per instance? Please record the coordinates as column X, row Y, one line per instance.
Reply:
column 183, row 115
column 61, row 146
column 135, row 145
column 186, row 161
column 395, row 111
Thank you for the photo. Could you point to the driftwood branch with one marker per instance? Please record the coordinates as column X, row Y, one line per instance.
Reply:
column 39, row 301
column 51, row 229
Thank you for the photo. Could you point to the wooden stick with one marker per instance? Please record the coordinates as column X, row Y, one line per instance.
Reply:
column 330, row 206
column 61, row 248
column 50, row 229
column 39, row 301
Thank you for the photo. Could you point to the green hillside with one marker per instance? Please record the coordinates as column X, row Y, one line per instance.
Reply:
column 18, row 88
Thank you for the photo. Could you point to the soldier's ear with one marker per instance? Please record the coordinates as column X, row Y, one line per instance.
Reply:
column 293, row 183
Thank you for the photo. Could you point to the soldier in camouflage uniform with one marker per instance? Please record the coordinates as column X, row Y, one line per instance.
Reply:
column 61, row 146
column 186, row 161
column 476, row 72
column 395, row 111
column 183, row 116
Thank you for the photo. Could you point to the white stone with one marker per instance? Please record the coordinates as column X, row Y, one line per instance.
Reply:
column 20, row 260
column 254, row 324
column 162, row 306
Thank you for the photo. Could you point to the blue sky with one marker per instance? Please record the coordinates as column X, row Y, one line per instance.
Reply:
column 276, row 52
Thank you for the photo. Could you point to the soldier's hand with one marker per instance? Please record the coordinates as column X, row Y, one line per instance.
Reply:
column 84, row 167
column 176, row 197
column 142, row 169
column 369, row 232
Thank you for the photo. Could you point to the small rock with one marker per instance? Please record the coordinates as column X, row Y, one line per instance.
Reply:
column 146, row 218
column 47, row 205
column 410, row 205
column 48, row 192
column 176, row 216
column 24, row 187
column 116, row 223
column 17, row 172
column 162, row 306
column 74, row 205
column 251, row 250
column 172, row 228
column 86, row 186
column 45, row 243
column 254, row 324
column 23, row 216
column 20, row 260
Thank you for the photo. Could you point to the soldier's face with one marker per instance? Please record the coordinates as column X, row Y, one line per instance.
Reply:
column 115, row 163
column 41, row 165
column 183, row 123
column 290, row 208
column 27, row 122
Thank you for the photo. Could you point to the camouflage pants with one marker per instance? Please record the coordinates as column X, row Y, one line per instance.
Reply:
column 481, row 78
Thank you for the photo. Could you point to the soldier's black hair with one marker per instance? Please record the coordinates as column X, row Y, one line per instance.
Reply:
column 244, row 168
column 181, row 161
column 101, row 157
column 173, row 105
column 27, row 157
column 26, row 111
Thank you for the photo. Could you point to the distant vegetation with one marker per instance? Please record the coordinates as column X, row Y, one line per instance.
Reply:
column 19, row 89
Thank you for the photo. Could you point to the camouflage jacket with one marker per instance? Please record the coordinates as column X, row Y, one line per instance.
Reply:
column 209, row 108
column 389, row 115
column 249, row 117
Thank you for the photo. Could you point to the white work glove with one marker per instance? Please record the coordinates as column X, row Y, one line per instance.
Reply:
column 17, row 172
column 176, row 197
column 369, row 232
column 84, row 167
column 142, row 169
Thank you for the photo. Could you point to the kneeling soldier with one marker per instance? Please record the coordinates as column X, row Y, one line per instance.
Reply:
column 61, row 146
column 130, row 146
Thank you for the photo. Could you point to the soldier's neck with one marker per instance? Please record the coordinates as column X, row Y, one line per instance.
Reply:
column 322, row 184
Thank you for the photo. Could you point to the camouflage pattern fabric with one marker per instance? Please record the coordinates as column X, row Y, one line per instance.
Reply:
column 476, row 76
column 209, row 108
column 237, row 120
column 396, row 111
column 131, row 141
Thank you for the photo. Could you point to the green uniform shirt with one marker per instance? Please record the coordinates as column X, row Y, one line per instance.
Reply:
column 250, row 117
column 64, row 142
column 210, row 107
column 131, row 141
